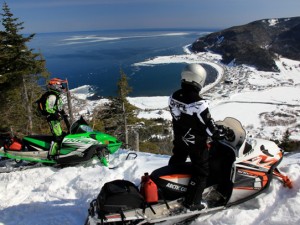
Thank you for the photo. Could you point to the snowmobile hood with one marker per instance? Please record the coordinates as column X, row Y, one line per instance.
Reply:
column 112, row 143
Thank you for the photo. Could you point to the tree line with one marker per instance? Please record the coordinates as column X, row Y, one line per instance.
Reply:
column 20, row 71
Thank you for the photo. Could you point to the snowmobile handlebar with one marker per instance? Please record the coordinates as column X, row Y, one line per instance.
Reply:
column 229, row 134
column 225, row 133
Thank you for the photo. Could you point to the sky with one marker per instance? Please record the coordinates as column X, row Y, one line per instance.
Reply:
column 81, row 15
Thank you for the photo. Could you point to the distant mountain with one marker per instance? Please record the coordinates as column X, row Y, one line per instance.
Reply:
column 257, row 43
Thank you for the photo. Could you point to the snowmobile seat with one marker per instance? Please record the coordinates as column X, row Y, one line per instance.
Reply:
column 46, row 138
column 30, row 141
column 172, row 180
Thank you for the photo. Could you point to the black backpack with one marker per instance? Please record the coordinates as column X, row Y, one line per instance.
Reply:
column 5, row 139
column 117, row 196
column 41, row 103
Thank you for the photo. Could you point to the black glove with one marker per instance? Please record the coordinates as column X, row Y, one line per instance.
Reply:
column 230, row 136
column 63, row 113
column 220, row 133
column 54, row 116
column 224, row 133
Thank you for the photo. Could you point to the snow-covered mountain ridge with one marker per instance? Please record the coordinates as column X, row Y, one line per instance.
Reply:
column 257, row 43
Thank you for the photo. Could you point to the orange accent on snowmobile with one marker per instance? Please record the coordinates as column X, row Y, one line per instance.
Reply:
column 114, row 216
column 283, row 178
column 174, row 176
column 15, row 146
column 260, row 174
column 264, row 161
column 245, row 188
column 270, row 160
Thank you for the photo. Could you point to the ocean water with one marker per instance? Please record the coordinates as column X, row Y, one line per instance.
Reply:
column 96, row 57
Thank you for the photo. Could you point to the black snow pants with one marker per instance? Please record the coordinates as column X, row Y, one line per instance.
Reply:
column 197, row 150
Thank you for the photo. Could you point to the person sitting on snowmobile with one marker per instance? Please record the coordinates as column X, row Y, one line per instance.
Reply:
column 192, row 125
column 52, row 107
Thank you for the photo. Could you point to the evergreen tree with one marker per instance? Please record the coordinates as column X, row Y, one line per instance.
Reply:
column 286, row 142
column 123, row 87
column 114, row 116
column 15, row 55
column 20, row 69
column 118, row 118
column 124, row 90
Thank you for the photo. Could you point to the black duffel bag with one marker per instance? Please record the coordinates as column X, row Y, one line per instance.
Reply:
column 117, row 196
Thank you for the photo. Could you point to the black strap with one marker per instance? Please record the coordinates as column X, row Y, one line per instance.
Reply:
column 91, row 209
column 160, row 193
column 123, row 217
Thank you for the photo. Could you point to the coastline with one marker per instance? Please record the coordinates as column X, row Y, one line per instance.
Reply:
column 213, row 60
column 270, row 100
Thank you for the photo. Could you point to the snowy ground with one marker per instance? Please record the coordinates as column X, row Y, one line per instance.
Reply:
column 266, row 103
column 51, row 196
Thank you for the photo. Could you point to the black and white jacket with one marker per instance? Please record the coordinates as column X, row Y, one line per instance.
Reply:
column 190, row 113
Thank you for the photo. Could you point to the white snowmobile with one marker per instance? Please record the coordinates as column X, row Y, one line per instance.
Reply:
column 240, row 169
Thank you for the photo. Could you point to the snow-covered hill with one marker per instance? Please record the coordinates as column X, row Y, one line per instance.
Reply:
column 266, row 104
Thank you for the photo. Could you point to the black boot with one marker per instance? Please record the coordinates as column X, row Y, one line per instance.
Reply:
column 193, row 207
column 193, row 199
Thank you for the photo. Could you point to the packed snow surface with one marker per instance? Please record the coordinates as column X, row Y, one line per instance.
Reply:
column 62, row 196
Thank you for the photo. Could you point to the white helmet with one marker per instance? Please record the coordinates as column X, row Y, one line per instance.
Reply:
column 194, row 74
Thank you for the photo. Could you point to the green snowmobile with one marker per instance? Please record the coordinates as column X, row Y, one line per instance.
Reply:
column 80, row 145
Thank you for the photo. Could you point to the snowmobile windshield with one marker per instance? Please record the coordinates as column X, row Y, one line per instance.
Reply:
column 80, row 126
column 239, row 132
column 84, row 129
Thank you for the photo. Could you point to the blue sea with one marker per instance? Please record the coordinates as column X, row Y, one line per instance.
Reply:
column 96, row 57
